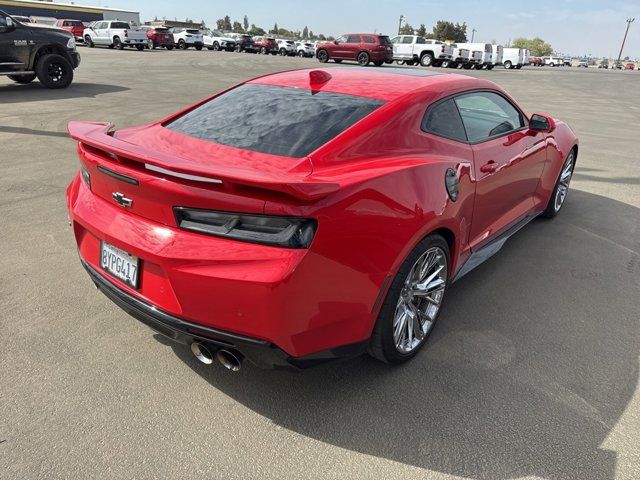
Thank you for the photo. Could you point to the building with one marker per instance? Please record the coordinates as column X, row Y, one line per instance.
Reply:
column 175, row 23
column 84, row 13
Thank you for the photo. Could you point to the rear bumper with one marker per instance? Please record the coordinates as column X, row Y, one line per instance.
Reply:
column 378, row 56
column 278, row 296
column 259, row 352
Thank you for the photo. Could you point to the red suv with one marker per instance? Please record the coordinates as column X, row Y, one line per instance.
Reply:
column 265, row 45
column 76, row 27
column 361, row 47
column 159, row 37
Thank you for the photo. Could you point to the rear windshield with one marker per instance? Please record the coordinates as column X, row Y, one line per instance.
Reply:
column 161, row 30
column 290, row 122
column 384, row 40
column 73, row 24
column 119, row 25
column 192, row 31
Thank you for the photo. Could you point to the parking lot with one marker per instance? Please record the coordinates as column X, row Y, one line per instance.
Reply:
column 531, row 373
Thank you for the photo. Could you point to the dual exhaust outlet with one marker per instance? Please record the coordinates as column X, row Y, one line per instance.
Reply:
column 229, row 359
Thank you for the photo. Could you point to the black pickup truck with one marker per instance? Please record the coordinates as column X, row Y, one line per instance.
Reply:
column 28, row 51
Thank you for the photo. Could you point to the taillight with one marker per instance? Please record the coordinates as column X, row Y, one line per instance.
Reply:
column 269, row 230
column 126, row 33
column 442, row 49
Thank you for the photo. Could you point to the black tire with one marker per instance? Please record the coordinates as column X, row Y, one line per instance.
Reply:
column 388, row 62
column 169, row 47
column 378, row 63
column 54, row 71
column 301, row 54
column 22, row 79
column 216, row 46
column 426, row 60
column 437, row 63
column 117, row 43
column 282, row 52
column 198, row 47
column 263, row 50
column 400, row 62
column 182, row 45
column 518, row 67
column 467, row 66
column 507, row 65
column 363, row 59
column 338, row 60
column 552, row 209
column 478, row 67
column 88, row 42
column 322, row 55
column 490, row 67
column 140, row 48
column 445, row 63
column 381, row 345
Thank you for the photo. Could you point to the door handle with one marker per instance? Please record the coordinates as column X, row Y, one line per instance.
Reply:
column 489, row 167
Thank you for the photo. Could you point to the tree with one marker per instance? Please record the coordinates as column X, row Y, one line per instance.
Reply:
column 237, row 27
column 537, row 46
column 227, row 24
column 256, row 30
column 311, row 35
column 245, row 23
column 422, row 31
column 406, row 29
column 275, row 29
column 305, row 32
column 444, row 30
column 220, row 23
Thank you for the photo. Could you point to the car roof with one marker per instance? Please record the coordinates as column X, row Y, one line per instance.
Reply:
column 382, row 83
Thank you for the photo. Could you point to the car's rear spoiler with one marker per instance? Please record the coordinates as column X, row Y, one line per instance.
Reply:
column 99, row 135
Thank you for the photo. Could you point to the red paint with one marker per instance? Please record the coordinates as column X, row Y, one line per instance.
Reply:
column 376, row 190
column 378, row 47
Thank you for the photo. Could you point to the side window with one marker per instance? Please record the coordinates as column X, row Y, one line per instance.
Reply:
column 421, row 40
column 3, row 21
column 487, row 114
column 443, row 119
column 395, row 39
column 407, row 40
column 369, row 40
column 353, row 39
column 341, row 39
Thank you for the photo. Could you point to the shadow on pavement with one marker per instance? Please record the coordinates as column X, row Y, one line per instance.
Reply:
column 34, row 92
column 533, row 362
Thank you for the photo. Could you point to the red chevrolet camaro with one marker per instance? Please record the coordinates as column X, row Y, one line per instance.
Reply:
column 310, row 215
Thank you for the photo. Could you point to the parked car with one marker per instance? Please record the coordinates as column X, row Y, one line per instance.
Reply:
column 244, row 43
column 215, row 40
column 75, row 27
column 629, row 66
column 604, row 63
column 583, row 63
column 305, row 49
column 485, row 50
column 536, row 61
column 286, row 47
column 461, row 56
column 185, row 38
column 158, row 37
column 512, row 57
column 361, row 47
column 413, row 49
column 293, row 229
column 49, row 55
column 566, row 61
column 265, row 45
column 115, row 34
column 50, row 21
column 21, row 18
column 553, row 61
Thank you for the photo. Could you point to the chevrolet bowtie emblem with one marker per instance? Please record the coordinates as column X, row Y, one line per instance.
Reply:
column 121, row 199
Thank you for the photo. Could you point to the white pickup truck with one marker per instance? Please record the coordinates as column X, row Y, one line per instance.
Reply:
column 115, row 34
column 459, row 58
column 485, row 53
column 412, row 49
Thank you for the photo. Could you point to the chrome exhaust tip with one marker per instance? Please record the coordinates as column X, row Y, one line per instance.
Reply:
column 202, row 353
column 230, row 360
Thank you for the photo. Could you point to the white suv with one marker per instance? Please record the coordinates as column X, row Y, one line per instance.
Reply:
column 214, row 40
column 187, row 37
column 305, row 49
column 286, row 47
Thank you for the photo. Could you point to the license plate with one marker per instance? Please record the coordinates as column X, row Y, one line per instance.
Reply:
column 120, row 264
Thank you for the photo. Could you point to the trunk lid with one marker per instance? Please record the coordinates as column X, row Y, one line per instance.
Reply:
column 158, row 169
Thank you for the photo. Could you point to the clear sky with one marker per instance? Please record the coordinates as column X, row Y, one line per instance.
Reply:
column 575, row 27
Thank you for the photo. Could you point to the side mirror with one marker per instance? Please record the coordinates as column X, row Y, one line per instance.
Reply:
column 541, row 123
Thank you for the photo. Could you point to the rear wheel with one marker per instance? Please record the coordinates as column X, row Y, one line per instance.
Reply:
column 23, row 79
column 88, row 42
column 151, row 45
column 478, row 67
column 301, row 54
column 140, row 47
column 519, row 67
column 338, row 60
column 282, row 52
column 426, row 60
column 559, row 194
column 263, row 50
column 323, row 56
column 467, row 66
column 117, row 43
column 400, row 62
column 182, row 45
column 489, row 67
column 363, row 59
column 413, row 302
column 378, row 63
column 169, row 47
column 216, row 46
column 508, row 65
column 445, row 64
column 54, row 71
column 198, row 47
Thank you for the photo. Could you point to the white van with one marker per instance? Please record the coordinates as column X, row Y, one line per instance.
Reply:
column 496, row 56
column 484, row 48
column 512, row 58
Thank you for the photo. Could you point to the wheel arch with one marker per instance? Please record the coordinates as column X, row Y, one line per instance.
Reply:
column 48, row 49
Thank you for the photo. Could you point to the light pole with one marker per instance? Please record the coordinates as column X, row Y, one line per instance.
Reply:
column 400, row 23
column 629, row 22
column 473, row 34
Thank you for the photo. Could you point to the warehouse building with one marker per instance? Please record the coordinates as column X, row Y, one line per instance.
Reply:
column 84, row 13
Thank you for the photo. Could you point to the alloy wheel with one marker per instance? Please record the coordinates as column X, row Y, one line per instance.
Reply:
column 563, row 183
column 420, row 300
